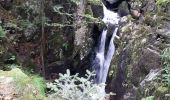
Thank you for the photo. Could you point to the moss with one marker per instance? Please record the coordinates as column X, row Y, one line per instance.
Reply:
column 149, row 98
column 90, row 19
column 26, row 85
column 95, row 2
column 149, row 20
column 2, row 32
column 162, row 89
column 89, row 16
column 17, row 74
column 162, row 2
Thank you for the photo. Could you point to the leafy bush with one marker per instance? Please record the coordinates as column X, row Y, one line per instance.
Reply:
column 39, row 83
column 162, row 2
column 95, row 2
column 149, row 98
column 69, row 87
column 166, row 64
column 2, row 32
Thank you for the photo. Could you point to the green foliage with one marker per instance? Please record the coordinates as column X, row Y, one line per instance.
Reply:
column 65, row 45
column 149, row 98
column 24, row 24
column 162, row 89
column 39, row 83
column 95, row 2
column 166, row 63
column 26, row 85
column 2, row 32
column 90, row 18
column 69, row 87
column 162, row 2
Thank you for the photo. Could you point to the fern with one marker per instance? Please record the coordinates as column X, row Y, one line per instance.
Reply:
column 2, row 32
column 166, row 70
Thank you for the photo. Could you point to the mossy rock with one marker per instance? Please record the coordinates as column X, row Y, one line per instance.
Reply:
column 26, row 87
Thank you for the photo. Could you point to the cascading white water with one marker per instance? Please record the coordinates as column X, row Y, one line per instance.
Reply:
column 108, row 57
column 110, row 17
column 103, row 58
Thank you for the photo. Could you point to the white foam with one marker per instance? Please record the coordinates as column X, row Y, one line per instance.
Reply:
column 103, row 58
column 110, row 16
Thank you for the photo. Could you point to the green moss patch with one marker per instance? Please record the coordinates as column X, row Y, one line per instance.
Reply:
column 27, row 86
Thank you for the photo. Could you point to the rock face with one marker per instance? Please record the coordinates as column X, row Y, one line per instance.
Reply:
column 144, row 42
column 72, row 31
column 68, row 27
column 149, row 60
column 73, row 40
column 82, row 37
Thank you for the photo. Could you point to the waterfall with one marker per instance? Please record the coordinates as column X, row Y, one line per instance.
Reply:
column 103, row 57
column 110, row 17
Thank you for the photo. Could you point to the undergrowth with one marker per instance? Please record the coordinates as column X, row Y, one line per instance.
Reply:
column 166, row 64
column 72, row 87
column 162, row 2
column 2, row 32
column 27, row 86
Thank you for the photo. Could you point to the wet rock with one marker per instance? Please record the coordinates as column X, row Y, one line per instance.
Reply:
column 145, row 43
column 86, row 32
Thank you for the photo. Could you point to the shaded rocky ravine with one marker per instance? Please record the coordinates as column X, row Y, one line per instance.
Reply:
column 144, row 41
column 72, row 35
